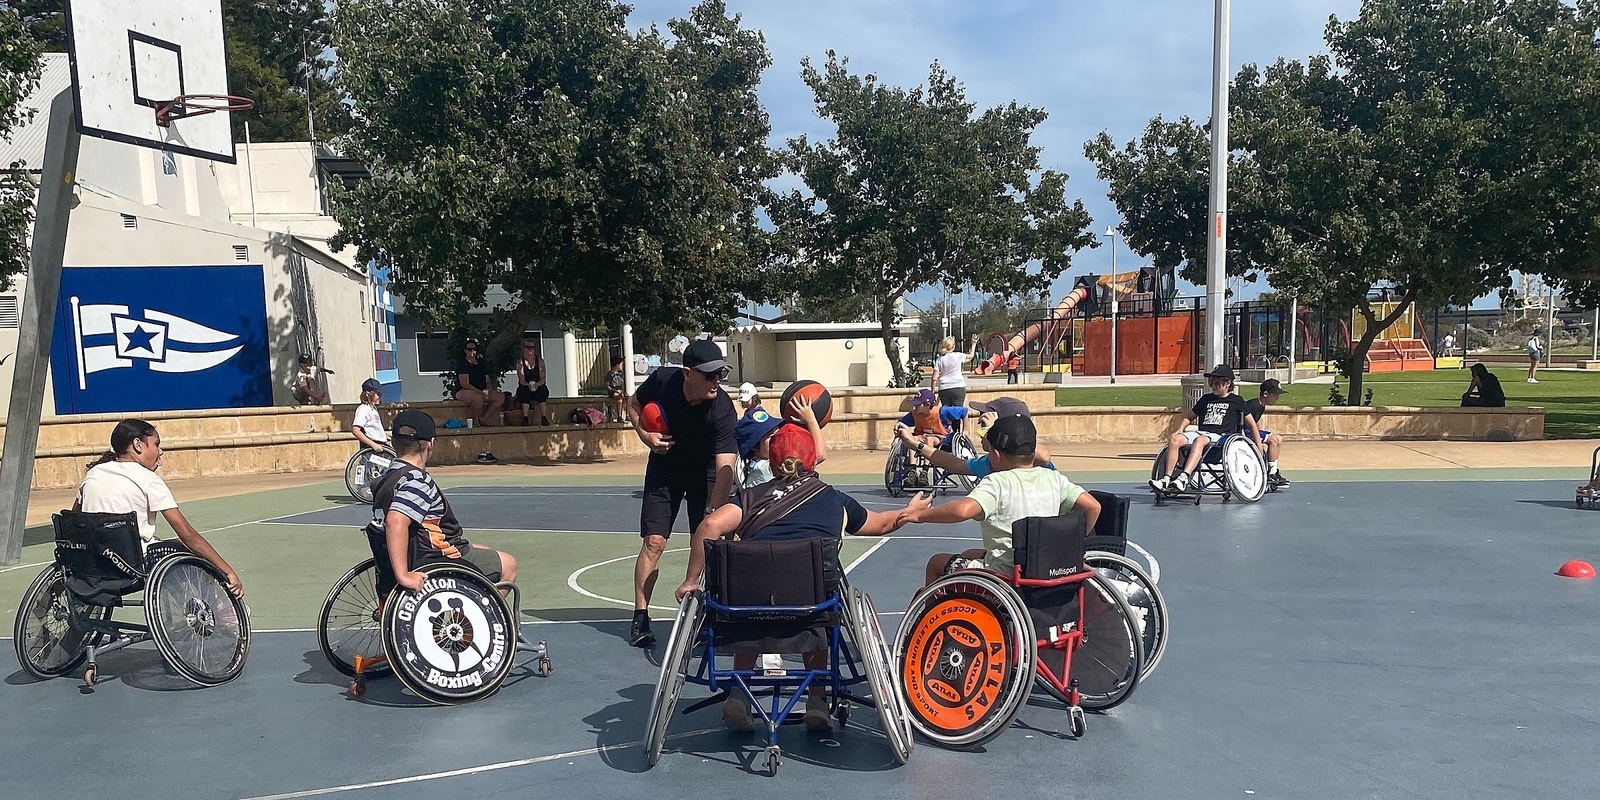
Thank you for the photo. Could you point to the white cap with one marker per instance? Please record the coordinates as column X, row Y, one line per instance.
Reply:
column 747, row 392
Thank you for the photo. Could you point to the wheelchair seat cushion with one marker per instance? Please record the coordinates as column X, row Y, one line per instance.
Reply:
column 772, row 573
column 101, row 554
column 1048, row 548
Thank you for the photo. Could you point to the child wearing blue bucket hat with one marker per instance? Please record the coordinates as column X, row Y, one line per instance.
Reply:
column 754, row 430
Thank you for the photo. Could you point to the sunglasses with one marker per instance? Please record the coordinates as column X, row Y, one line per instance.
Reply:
column 720, row 375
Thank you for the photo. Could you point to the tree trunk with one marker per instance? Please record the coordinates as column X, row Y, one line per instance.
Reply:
column 501, row 350
column 1375, row 326
column 891, row 345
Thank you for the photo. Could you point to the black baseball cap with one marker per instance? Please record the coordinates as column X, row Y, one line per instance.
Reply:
column 414, row 423
column 1002, row 407
column 704, row 355
column 1271, row 386
column 371, row 385
column 1221, row 371
column 1014, row 436
column 305, row 358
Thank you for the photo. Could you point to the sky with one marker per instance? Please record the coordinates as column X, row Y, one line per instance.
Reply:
column 1092, row 64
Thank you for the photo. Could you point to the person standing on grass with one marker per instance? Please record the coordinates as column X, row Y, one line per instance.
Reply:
column 693, row 462
column 1535, row 354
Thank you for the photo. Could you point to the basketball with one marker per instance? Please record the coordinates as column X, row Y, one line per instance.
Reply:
column 653, row 419
column 821, row 401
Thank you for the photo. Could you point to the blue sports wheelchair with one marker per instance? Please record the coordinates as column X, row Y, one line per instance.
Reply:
column 777, row 596
column 1231, row 467
column 903, row 471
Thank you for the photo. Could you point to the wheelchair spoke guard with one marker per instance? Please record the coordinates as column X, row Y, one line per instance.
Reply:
column 452, row 642
column 965, row 653
column 1144, row 600
column 202, row 631
column 1243, row 469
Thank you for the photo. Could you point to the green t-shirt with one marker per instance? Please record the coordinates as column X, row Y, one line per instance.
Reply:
column 1014, row 494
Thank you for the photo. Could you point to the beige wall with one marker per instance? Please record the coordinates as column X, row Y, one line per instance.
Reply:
column 769, row 360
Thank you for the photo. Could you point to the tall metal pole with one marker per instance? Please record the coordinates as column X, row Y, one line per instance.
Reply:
column 38, row 322
column 1217, row 231
column 1112, row 232
column 1294, row 330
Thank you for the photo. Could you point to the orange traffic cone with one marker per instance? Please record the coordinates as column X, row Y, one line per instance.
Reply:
column 1576, row 569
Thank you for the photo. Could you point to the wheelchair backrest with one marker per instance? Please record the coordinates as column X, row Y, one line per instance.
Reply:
column 777, row 572
column 101, row 554
column 1110, row 532
column 1047, row 548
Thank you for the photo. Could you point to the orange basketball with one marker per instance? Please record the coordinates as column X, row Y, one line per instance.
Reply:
column 821, row 401
column 653, row 419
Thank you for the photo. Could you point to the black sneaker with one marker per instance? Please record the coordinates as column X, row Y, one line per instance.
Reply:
column 487, row 457
column 1277, row 479
column 639, row 634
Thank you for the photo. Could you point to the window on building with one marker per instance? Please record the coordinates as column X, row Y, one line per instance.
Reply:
column 432, row 354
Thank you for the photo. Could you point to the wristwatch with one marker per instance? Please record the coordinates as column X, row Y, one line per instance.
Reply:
column 710, row 509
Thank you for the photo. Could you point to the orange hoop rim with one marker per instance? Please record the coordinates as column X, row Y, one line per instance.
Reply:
column 194, row 105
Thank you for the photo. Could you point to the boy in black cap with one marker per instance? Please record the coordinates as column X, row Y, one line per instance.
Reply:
column 1271, row 390
column 1218, row 413
column 368, row 424
column 411, row 517
column 693, row 462
column 1014, row 490
column 306, row 391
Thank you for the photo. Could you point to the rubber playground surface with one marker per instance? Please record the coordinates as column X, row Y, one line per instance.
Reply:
column 1373, row 637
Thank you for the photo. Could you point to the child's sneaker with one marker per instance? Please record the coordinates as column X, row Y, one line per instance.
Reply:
column 1181, row 482
column 1161, row 484
column 736, row 715
column 818, row 720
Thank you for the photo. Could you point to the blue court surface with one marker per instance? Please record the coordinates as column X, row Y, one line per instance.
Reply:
column 1335, row 640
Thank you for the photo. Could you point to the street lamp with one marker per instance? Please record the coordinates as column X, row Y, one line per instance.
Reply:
column 1112, row 232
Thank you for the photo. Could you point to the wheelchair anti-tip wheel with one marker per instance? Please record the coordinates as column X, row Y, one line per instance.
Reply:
column 1243, row 469
column 674, row 670
column 201, row 630
column 452, row 642
column 46, row 644
column 965, row 651
column 1144, row 600
column 1107, row 663
column 363, row 470
column 348, row 626
column 862, row 618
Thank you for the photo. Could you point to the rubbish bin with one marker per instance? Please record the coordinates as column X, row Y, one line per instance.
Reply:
column 1193, row 387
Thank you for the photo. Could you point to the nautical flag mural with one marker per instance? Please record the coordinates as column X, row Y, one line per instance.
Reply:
column 160, row 338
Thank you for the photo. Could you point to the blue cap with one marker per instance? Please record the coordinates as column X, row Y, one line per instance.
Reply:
column 756, row 425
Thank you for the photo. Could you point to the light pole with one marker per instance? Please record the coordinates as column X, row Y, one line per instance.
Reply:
column 1217, row 231
column 1112, row 232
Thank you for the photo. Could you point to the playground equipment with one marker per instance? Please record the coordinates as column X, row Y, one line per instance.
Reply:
column 1057, row 334
column 1002, row 349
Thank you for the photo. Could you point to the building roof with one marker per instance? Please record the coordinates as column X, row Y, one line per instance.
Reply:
column 841, row 328
column 26, row 143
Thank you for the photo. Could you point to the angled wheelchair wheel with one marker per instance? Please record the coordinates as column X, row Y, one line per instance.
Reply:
column 362, row 470
column 674, row 670
column 1244, row 473
column 454, row 641
column 962, row 447
column 47, row 646
column 1107, row 665
column 965, row 653
column 1143, row 598
column 867, row 636
column 894, row 469
column 348, row 625
column 202, row 631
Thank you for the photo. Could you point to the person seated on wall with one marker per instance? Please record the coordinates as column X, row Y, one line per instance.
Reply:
column 1219, row 413
column 1271, row 392
column 1484, row 391
column 822, row 512
column 988, row 413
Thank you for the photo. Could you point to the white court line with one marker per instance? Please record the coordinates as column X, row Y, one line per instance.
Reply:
column 863, row 556
column 572, row 581
column 456, row 773
column 25, row 566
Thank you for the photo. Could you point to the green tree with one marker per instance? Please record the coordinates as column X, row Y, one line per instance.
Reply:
column 19, row 74
column 594, row 172
column 277, row 53
column 916, row 189
column 45, row 22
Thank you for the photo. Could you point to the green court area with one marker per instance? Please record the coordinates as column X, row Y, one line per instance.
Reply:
column 1571, row 399
column 288, row 566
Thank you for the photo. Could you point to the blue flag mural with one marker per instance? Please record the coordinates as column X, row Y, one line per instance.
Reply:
column 160, row 338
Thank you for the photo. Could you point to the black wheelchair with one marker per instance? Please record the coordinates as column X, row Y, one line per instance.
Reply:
column 974, row 642
column 363, row 470
column 782, row 596
column 453, row 642
column 65, row 618
column 903, row 471
column 1231, row 467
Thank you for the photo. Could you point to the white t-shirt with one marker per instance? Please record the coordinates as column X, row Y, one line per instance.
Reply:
column 949, row 370
column 1014, row 494
column 370, row 423
column 117, row 487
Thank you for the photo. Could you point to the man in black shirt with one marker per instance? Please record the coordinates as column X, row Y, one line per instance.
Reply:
column 1217, row 414
column 1271, row 391
column 693, row 461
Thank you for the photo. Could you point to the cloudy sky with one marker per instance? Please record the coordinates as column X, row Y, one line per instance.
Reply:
column 1092, row 64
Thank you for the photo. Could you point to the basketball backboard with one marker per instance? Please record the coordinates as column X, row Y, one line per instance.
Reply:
column 131, row 56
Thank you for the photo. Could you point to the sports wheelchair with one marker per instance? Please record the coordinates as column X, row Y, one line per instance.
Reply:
column 1231, row 467
column 363, row 469
column 64, row 620
column 900, row 473
column 779, row 596
column 1590, row 498
column 974, row 642
column 453, row 642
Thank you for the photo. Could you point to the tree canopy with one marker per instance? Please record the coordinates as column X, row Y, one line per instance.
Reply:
column 19, row 74
column 918, row 188
column 596, row 173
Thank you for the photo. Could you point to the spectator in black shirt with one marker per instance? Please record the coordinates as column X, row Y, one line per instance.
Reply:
column 1217, row 414
column 694, row 461
column 1485, row 391
column 1271, row 391
column 484, row 402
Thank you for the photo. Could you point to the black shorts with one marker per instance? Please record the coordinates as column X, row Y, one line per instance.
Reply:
column 486, row 560
column 526, row 396
column 659, row 511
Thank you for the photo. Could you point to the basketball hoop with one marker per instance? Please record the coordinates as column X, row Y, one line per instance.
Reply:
column 194, row 105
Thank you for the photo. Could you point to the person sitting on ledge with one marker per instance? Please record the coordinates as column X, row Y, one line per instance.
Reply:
column 1485, row 391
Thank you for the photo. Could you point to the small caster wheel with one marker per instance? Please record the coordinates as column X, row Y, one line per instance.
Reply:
column 1076, row 722
column 543, row 668
column 842, row 714
column 90, row 675
column 358, row 687
column 773, row 762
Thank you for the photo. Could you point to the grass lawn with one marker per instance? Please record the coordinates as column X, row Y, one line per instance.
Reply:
column 1571, row 399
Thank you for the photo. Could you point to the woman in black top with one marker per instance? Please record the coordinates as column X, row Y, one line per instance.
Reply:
column 484, row 402
column 531, row 387
column 1485, row 391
